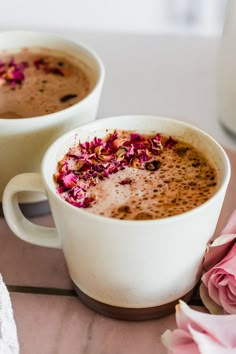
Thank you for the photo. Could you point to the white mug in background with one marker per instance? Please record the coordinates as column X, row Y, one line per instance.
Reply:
column 23, row 141
column 227, row 70
column 128, row 269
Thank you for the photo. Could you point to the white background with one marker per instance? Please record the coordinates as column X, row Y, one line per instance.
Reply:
column 160, row 55
column 139, row 16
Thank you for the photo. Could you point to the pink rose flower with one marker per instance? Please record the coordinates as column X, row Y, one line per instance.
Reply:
column 218, row 288
column 201, row 333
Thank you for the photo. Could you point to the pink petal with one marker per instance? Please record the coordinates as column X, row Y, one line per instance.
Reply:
column 221, row 282
column 220, row 328
column 212, row 285
column 200, row 333
column 70, row 180
column 179, row 342
column 232, row 288
column 170, row 142
column 227, row 298
column 221, row 245
column 228, row 263
column 227, row 266
column 217, row 250
column 207, row 345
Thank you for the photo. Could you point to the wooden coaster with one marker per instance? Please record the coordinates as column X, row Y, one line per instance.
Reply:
column 130, row 314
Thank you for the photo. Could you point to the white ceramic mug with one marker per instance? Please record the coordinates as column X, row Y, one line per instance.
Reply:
column 128, row 264
column 24, row 141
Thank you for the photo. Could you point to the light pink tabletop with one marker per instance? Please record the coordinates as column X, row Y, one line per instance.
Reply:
column 60, row 324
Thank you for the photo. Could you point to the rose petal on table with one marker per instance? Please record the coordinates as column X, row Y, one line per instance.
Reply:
column 179, row 342
column 221, row 328
column 217, row 250
column 200, row 333
column 208, row 302
column 207, row 345
column 230, row 227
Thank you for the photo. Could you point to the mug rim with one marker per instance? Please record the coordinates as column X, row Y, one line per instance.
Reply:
column 58, row 143
column 81, row 46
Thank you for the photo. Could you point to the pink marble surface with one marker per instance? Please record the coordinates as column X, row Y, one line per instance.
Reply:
column 62, row 325
column 24, row 264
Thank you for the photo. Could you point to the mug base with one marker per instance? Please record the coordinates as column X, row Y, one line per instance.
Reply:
column 131, row 314
column 31, row 210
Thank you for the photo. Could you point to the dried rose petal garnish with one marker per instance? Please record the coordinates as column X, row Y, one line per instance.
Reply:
column 93, row 161
column 126, row 181
column 12, row 73
column 170, row 142
column 43, row 64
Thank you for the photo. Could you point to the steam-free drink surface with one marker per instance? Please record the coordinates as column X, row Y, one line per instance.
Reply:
column 173, row 180
column 36, row 83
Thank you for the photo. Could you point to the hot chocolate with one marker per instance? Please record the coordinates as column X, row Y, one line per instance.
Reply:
column 131, row 176
column 36, row 82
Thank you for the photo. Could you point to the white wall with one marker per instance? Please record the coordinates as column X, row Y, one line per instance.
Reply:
column 201, row 16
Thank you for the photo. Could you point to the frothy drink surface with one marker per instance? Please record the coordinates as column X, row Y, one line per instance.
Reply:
column 35, row 83
column 169, row 181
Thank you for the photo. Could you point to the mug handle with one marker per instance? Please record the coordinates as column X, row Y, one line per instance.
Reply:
column 18, row 223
